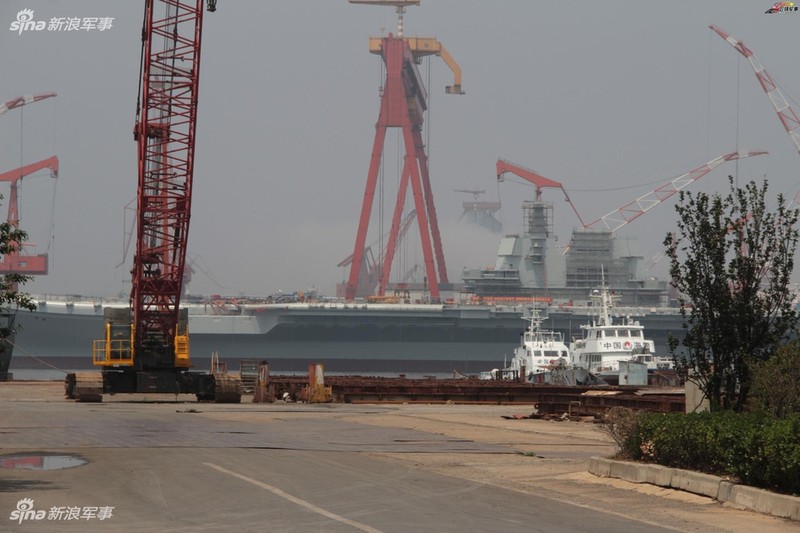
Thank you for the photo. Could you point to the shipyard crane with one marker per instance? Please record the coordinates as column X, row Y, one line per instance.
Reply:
column 15, row 261
column 146, row 346
column 632, row 210
column 480, row 213
column 787, row 115
column 20, row 101
column 371, row 269
column 540, row 182
column 403, row 103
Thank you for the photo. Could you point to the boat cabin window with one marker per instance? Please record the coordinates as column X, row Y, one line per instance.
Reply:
column 636, row 333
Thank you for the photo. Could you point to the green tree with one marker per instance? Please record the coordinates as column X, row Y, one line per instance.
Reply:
column 731, row 262
column 11, row 239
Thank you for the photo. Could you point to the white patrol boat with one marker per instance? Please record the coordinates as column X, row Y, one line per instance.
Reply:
column 605, row 344
column 540, row 351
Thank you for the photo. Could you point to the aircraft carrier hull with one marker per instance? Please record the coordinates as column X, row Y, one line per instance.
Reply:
column 345, row 337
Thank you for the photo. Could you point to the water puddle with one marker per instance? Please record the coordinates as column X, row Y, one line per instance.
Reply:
column 41, row 462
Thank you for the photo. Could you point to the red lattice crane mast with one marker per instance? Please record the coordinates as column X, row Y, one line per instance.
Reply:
column 149, row 352
column 403, row 104
column 632, row 210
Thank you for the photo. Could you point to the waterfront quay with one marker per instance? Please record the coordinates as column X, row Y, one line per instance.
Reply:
column 167, row 463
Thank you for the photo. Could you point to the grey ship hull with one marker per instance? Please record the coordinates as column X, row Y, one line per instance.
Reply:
column 346, row 338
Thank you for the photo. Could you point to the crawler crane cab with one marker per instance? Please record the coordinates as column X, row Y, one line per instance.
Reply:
column 145, row 348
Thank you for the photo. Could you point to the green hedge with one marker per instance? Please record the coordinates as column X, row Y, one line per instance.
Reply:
column 756, row 449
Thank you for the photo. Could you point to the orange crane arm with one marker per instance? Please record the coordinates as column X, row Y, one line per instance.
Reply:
column 427, row 46
column 504, row 166
column 18, row 173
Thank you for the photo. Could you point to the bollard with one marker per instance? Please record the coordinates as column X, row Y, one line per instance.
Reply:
column 317, row 391
column 261, row 391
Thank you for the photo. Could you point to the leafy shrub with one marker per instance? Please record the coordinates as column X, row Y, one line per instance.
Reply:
column 618, row 423
column 758, row 450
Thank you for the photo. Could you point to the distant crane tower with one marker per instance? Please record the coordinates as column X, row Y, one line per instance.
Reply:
column 16, row 261
column 403, row 103
column 480, row 213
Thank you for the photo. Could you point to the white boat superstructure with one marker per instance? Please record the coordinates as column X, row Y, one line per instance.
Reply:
column 605, row 344
column 540, row 350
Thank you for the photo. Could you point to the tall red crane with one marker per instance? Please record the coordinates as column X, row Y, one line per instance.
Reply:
column 403, row 104
column 149, row 352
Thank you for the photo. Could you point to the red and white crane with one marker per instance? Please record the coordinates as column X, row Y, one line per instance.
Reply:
column 20, row 101
column 787, row 115
column 632, row 210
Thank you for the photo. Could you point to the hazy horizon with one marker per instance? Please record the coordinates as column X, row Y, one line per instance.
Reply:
column 612, row 99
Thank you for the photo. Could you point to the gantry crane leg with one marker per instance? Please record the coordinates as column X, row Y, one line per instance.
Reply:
column 419, row 147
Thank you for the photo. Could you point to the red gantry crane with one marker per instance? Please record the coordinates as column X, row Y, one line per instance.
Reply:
column 146, row 347
column 403, row 104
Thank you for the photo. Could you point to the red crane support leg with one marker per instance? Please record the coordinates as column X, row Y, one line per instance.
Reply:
column 366, row 206
column 422, row 218
column 391, row 244
column 426, row 183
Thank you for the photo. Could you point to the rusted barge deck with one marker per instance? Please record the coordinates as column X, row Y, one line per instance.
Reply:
column 547, row 399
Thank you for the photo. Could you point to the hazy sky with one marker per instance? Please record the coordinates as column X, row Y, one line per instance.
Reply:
column 610, row 98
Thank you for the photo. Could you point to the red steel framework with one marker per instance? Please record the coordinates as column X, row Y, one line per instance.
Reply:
column 403, row 102
column 165, row 132
column 16, row 262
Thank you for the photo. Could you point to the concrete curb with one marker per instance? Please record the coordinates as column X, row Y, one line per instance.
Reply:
column 715, row 487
